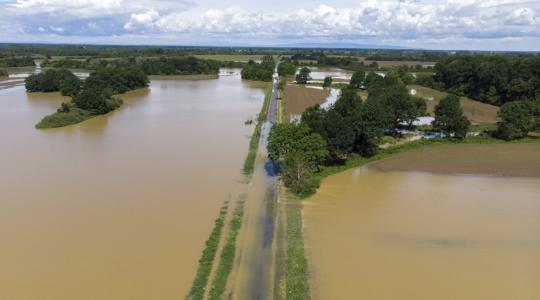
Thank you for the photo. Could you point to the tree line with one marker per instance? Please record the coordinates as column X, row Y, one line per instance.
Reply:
column 13, row 61
column 183, row 65
column 491, row 79
column 262, row 71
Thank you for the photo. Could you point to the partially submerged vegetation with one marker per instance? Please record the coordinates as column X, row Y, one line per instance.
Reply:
column 90, row 98
column 228, row 252
column 208, row 256
column 249, row 163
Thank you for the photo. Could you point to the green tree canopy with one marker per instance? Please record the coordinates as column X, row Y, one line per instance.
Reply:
column 327, row 81
column 516, row 120
column 449, row 117
column 357, row 79
column 303, row 76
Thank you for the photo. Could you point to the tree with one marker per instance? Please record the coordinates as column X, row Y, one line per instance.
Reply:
column 357, row 79
column 449, row 117
column 303, row 77
column 70, row 86
column 298, row 175
column 535, row 105
column 91, row 100
column 515, row 120
column 373, row 80
column 286, row 68
column 397, row 100
column 327, row 81
column 296, row 137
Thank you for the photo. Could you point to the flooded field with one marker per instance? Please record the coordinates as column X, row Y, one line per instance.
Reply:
column 412, row 235
column 119, row 206
column 496, row 160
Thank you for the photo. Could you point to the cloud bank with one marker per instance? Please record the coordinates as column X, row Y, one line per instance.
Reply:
column 453, row 23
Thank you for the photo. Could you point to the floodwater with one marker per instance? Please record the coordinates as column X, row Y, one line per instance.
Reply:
column 411, row 235
column 119, row 206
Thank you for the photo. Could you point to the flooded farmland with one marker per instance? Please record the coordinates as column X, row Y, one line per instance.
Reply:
column 119, row 206
column 416, row 235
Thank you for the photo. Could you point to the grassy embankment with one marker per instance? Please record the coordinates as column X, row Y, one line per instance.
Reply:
column 208, row 256
column 228, row 252
column 74, row 115
column 297, row 273
column 292, row 276
column 249, row 163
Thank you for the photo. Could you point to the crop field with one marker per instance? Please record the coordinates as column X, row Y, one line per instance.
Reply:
column 476, row 111
column 298, row 98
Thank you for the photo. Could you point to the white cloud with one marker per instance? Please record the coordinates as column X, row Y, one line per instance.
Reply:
column 57, row 29
column 406, row 19
column 82, row 8
column 403, row 21
column 144, row 20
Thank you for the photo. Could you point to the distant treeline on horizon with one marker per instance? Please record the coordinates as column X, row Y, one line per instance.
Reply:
column 107, row 51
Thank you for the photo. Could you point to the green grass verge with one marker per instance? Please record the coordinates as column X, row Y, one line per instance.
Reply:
column 249, row 163
column 228, row 252
column 297, row 275
column 208, row 256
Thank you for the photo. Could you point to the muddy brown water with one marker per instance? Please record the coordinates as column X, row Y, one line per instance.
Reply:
column 119, row 206
column 415, row 235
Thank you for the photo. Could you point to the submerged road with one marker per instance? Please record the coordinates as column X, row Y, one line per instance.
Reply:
column 258, row 254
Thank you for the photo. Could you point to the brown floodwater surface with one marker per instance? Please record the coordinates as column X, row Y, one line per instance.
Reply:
column 412, row 235
column 119, row 206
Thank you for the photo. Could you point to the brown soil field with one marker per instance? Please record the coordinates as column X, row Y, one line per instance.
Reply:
column 476, row 111
column 493, row 159
column 298, row 98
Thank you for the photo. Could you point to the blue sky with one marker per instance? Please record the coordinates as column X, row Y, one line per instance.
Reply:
column 433, row 24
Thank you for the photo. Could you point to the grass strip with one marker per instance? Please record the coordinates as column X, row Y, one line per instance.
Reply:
column 208, row 256
column 297, row 275
column 249, row 163
column 228, row 252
